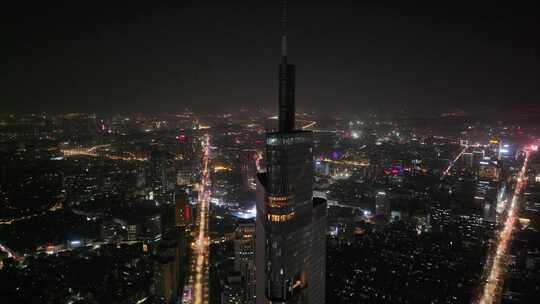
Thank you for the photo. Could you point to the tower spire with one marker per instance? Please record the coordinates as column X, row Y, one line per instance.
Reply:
column 284, row 29
column 286, row 79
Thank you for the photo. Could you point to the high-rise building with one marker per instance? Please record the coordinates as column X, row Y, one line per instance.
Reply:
column 467, row 159
column 291, row 225
column 132, row 231
column 248, row 168
column 382, row 207
column 169, row 257
column 244, row 258
column 182, row 208
column 477, row 155
column 161, row 175
column 232, row 290
column 489, row 171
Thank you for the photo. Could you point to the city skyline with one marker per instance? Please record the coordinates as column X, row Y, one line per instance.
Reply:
column 157, row 153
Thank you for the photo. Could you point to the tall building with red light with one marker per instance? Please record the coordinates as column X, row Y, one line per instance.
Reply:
column 182, row 209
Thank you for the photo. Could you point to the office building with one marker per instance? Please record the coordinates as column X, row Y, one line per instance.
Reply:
column 244, row 258
column 291, row 225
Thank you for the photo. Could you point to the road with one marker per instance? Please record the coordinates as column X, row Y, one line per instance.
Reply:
column 57, row 206
column 309, row 125
column 8, row 251
column 496, row 260
column 363, row 163
column 198, row 281
column 445, row 172
column 93, row 152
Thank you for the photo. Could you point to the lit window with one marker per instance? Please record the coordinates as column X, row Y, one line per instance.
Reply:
column 280, row 217
column 279, row 201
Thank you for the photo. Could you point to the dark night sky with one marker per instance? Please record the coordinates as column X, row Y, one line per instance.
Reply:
column 141, row 55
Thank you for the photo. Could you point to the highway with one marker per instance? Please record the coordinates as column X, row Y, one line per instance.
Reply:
column 496, row 260
column 198, row 281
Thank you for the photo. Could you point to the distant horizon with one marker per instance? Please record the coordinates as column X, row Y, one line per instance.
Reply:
column 411, row 113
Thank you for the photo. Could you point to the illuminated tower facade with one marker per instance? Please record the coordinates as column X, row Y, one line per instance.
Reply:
column 291, row 225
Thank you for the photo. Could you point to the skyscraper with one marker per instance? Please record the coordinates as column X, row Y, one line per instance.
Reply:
column 291, row 225
column 244, row 262
column 182, row 209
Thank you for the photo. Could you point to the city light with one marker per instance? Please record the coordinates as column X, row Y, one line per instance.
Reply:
column 190, row 153
column 196, row 291
column 247, row 214
column 496, row 265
